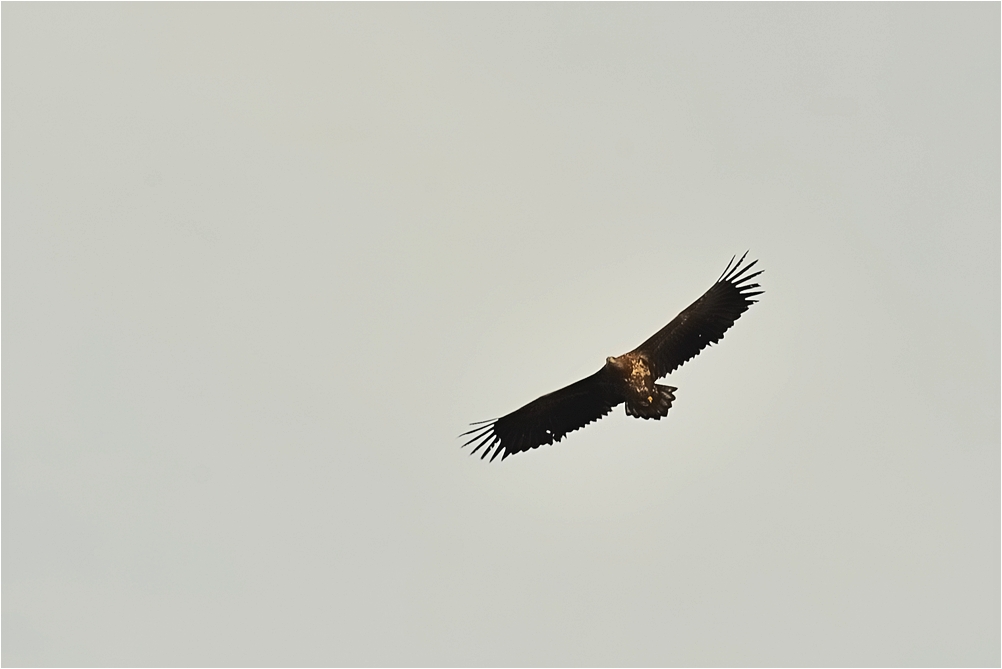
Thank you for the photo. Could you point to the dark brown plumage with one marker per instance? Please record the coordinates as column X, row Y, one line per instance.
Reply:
column 629, row 378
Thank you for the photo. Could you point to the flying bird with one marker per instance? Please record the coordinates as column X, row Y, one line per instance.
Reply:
column 629, row 378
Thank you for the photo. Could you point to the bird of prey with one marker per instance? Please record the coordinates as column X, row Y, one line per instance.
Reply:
column 629, row 378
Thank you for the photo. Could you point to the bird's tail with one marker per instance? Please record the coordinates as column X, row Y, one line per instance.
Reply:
column 657, row 407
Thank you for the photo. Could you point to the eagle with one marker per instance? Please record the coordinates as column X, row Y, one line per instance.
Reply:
column 628, row 378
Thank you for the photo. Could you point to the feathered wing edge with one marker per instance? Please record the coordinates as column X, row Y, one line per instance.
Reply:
column 739, row 279
column 483, row 432
column 705, row 321
column 545, row 420
column 735, row 278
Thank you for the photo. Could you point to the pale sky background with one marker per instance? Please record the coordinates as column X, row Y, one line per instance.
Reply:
column 262, row 263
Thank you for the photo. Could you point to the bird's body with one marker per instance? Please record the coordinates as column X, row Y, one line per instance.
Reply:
column 629, row 378
column 631, row 373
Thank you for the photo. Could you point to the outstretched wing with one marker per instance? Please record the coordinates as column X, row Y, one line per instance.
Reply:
column 546, row 419
column 703, row 322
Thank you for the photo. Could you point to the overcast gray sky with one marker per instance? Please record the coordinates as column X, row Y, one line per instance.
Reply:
column 262, row 263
